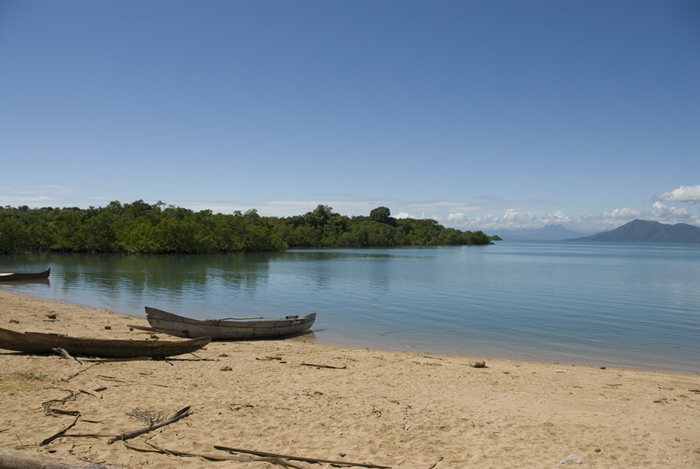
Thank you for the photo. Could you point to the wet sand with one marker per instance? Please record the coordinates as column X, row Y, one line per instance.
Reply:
column 290, row 397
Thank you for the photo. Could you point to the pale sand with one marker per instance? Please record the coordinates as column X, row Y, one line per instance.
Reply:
column 398, row 409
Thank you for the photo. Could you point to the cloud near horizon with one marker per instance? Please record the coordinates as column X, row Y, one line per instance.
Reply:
column 513, row 219
column 682, row 194
column 461, row 215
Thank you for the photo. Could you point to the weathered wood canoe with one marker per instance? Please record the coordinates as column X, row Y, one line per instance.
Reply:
column 7, row 276
column 41, row 344
column 227, row 329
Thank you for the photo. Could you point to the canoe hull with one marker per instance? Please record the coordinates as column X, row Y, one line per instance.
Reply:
column 15, row 276
column 220, row 329
column 42, row 344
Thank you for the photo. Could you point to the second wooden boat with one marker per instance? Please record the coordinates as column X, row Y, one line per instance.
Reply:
column 42, row 343
column 6, row 276
column 227, row 329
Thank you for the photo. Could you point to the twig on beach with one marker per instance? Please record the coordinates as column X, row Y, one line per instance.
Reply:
column 218, row 457
column 239, row 406
column 300, row 458
column 92, row 393
column 326, row 366
column 47, row 405
column 62, row 432
column 133, row 434
column 436, row 463
column 68, row 378
column 110, row 378
column 146, row 416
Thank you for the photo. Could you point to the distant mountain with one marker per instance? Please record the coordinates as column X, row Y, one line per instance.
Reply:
column 642, row 231
column 546, row 233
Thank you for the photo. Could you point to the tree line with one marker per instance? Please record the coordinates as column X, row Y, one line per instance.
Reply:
column 140, row 227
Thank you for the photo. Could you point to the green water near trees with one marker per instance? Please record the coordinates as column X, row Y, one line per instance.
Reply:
column 589, row 303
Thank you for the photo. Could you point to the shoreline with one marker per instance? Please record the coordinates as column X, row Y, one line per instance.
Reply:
column 526, row 355
column 403, row 409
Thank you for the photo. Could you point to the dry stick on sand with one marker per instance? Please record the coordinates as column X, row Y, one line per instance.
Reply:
column 68, row 378
column 326, row 366
column 133, row 434
column 299, row 458
column 217, row 457
column 62, row 432
column 47, row 405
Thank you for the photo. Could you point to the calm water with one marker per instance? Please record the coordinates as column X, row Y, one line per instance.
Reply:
column 582, row 303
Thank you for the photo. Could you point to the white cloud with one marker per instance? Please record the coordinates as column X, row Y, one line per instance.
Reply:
column 40, row 196
column 661, row 211
column 515, row 216
column 511, row 219
column 623, row 213
column 682, row 194
column 558, row 217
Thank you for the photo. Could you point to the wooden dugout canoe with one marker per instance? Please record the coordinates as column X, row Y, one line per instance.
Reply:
column 227, row 329
column 8, row 276
column 42, row 343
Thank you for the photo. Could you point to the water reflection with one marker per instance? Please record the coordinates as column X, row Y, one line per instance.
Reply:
column 535, row 300
column 162, row 273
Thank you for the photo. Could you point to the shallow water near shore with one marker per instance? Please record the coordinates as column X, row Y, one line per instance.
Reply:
column 602, row 304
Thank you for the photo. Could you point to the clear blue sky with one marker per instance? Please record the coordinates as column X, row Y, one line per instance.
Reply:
column 483, row 114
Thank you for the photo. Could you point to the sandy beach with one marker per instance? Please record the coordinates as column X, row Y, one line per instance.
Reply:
column 362, row 407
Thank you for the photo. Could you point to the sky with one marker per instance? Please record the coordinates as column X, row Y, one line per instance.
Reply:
column 481, row 114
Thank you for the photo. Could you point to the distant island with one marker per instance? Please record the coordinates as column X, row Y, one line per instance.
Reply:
column 644, row 231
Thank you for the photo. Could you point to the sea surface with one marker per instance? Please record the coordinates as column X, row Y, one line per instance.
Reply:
column 606, row 304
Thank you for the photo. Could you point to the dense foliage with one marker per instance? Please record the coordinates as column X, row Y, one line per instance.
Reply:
column 144, row 228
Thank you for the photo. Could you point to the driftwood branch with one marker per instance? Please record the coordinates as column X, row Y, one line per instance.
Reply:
column 133, row 434
column 47, row 405
column 68, row 378
column 326, row 366
column 218, row 457
column 92, row 393
column 62, row 432
column 300, row 458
